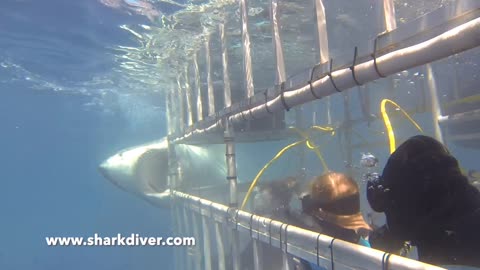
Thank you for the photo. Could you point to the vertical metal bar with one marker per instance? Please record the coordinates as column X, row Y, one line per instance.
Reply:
column 172, row 174
column 247, row 57
column 199, row 89
column 322, row 34
column 181, row 251
column 364, row 98
column 196, row 233
column 456, row 82
column 387, row 23
column 211, row 94
column 207, row 251
column 329, row 110
column 220, row 246
column 175, row 231
column 232, row 178
column 188, row 231
column 226, row 77
column 188, row 94
column 257, row 255
column 389, row 15
column 348, row 130
column 323, row 55
column 285, row 265
column 181, row 104
column 390, row 21
column 168, row 105
column 435, row 104
column 174, row 180
column 172, row 166
column 175, row 111
column 280, row 75
column 302, row 151
column 277, row 43
column 231, row 163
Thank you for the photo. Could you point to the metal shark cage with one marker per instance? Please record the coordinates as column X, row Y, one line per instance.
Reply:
column 446, row 31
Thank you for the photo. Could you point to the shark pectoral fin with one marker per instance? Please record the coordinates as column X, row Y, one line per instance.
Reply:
column 161, row 199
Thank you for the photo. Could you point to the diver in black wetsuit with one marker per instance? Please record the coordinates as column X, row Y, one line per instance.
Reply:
column 429, row 202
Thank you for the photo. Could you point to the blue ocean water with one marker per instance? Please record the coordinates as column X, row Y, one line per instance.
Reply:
column 51, row 145
column 66, row 104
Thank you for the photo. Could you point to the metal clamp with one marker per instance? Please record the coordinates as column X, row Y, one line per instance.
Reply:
column 331, row 253
column 310, row 83
column 282, row 96
column 236, row 219
column 251, row 222
column 385, row 258
column 251, row 114
column 280, row 242
column 230, row 154
column 250, row 106
column 374, row 56
column 210, row 210
column 228, row 137
column 243, row 116
column 220, row 122
column 258, row 228
column 270, row 232
column 228, row 217
column 200, row 207
column 329, row 74
column 352, row 67
column 266, row 101
column 286, row 236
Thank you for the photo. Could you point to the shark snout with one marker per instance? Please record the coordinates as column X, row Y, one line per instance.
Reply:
column 102, row 168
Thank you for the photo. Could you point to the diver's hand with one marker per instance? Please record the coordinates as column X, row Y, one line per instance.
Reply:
column 383, row 239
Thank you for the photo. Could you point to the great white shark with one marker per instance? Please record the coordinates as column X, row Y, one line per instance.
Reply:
column 143, row 170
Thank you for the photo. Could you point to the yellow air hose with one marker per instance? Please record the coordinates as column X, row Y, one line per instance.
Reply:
column 388, row 124
column 389, row 128
column 260, row 173
column 326, row 129
column 311, row 145
column 391, row 135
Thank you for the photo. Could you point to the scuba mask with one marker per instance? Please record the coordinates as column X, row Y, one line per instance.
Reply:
column 348, row 205
column 308, row 204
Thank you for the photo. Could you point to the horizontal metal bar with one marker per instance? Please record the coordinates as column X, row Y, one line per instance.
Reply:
column 465, row 137
column 460, row 117
column 300, row 242
column 454, row 39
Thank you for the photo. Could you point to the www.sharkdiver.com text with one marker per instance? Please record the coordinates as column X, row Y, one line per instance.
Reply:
column 119, row 240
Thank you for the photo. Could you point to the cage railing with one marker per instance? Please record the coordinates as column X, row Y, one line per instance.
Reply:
column 324, row 250
column 447, row 31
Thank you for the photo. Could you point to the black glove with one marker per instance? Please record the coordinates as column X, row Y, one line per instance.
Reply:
column 383, row 239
